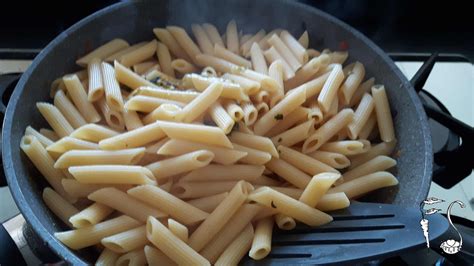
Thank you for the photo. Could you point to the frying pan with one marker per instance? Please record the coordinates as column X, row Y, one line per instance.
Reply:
column 133, row 21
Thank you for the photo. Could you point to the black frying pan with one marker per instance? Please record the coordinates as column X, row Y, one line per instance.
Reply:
column 134, row 21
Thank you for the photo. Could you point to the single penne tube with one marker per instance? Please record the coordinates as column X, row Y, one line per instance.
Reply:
column 250, row 87
column 220, row 116
column 294, row 46
column 79, row 190
column 333, row 201
column 330, row 88
column 356, row 74
column 335, row 160
column 345, row 147
column 171, row 43
column 289, row 206
column 197, row 133
column 255, row 142
column 91, row 235
column 384, row 116
column 315, row 112
column 299, row 114
column 103, row 51
column 129, row 78
column 223, row 156
column 112, row 174
column 363, row 88
column 183, row 66
column 339, row 57
column 185, row 42
column 119, row 53
column 113, row 96
column 180, row 164
column 79, row 97
column 139, row 55
column 193, row 190
column 134, row 257
column 234, row 110
column 67, row 143
column 126, row 241
column 304, row 162
column 91, row 215
column 59, row 206
column 93, row 132
column 246, row 46
column 96, row 88
column 368, row 127
column 272, row 55
column 275, row 71
column 284, row 222
column 265, row 181
column 131, row 119
column 126, row 204
column 217, row 63
column 262, row 108
column 327, row 130
column 232, row 37
column 289, row 172
column 379, row 163
column 173, row 95
column 155, row 256
column 312, row 87
column 312, row 53
column 107, row 257
column 304, row 39
column 254, row 156
column 98, row 157
column 135, row 138
column 178, row 209
column 213, row 34
column 55, row 119
column 227, row 55
column 384, row 148
column 361, row 116
column 279, row 111
column 171, row 245
column 215, row 172
column 364, row 184
column 237, row 249
column 262, row 239
column 209, row 203
column 164, row 58
column 201, row 103
column 250, row 113
column 317, row 188
column 258, row 60
column 144, row 67
column 264, row 41
column 285, row 52
column 236, row 224
column 44, row 163
column 294, row 135
column 309, row 70
column 68, row 110
column 153, row 148
column 230, row 90
column 113, row 118
column 202, row 39
column 166, row 111
column 220, row 216
column 45, row 141
column 333, row 108
column 178, row 230
column 50, row 134
column 147, row 104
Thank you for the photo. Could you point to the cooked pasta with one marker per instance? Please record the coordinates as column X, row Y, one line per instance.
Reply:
column 203, row 143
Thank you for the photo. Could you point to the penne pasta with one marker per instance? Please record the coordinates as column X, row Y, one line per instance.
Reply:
column 91, row 215
column 67, row 143
column 384, row 148
column 364, row 184
column 253, row 156
column 112, row 174
column 55, row 119
column 304, row 162
column 285, row 52
column 183, row 66
column 165, row 36
column 249, row 86
column 317, row 188
column 113, row 96
column 192, row 190
column 217, row 63
column 45, row 141
column 209, row 203
column 273, row 55
column 230, row 90
column 294, row 46
column 202, row 39
column 330, row 88
column 345, row 147
column 361, row 90
column 223, row 156
column 126, row 241
column 131, row 119
column 119, row 53
column 288, row 172
column 294, row 135
column 59, row 205
column 178, row 209
column 178, row 230
column 139, row 55
column 129, row 78
column 262, row 239
column 93, row 133
column 215, row 172
column 107, row 257
column 304, row 39
column 180, row 164
column 173, row 95
column 379, row 163
column 361, row 116
column 255, row 142
column 113, row 118
column 250, row 113
column 213, row 34
column 164, row 58
column 68, row 110
column 135, row 257
column 299, row 114
column 201, row 103
column 135, row 138
column 157, row 257
column 103, row 51
column 221, row 52
column 185, row 42
column 237, row 249
column 258, row 60
column 98, row 157
column 221, row 118
column 232, row 37
column 335, row 160
column 384, row 116
column 356, row 73
column 96, row 88
column 284, row 222
column 79, row 96
column 246, row 45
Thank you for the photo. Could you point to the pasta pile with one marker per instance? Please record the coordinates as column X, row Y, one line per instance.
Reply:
column 188, row 151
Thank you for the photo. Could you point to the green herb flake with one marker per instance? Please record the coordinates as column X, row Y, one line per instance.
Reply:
column 278, row 117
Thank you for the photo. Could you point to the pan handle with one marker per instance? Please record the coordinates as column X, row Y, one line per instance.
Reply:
column 7, row 84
